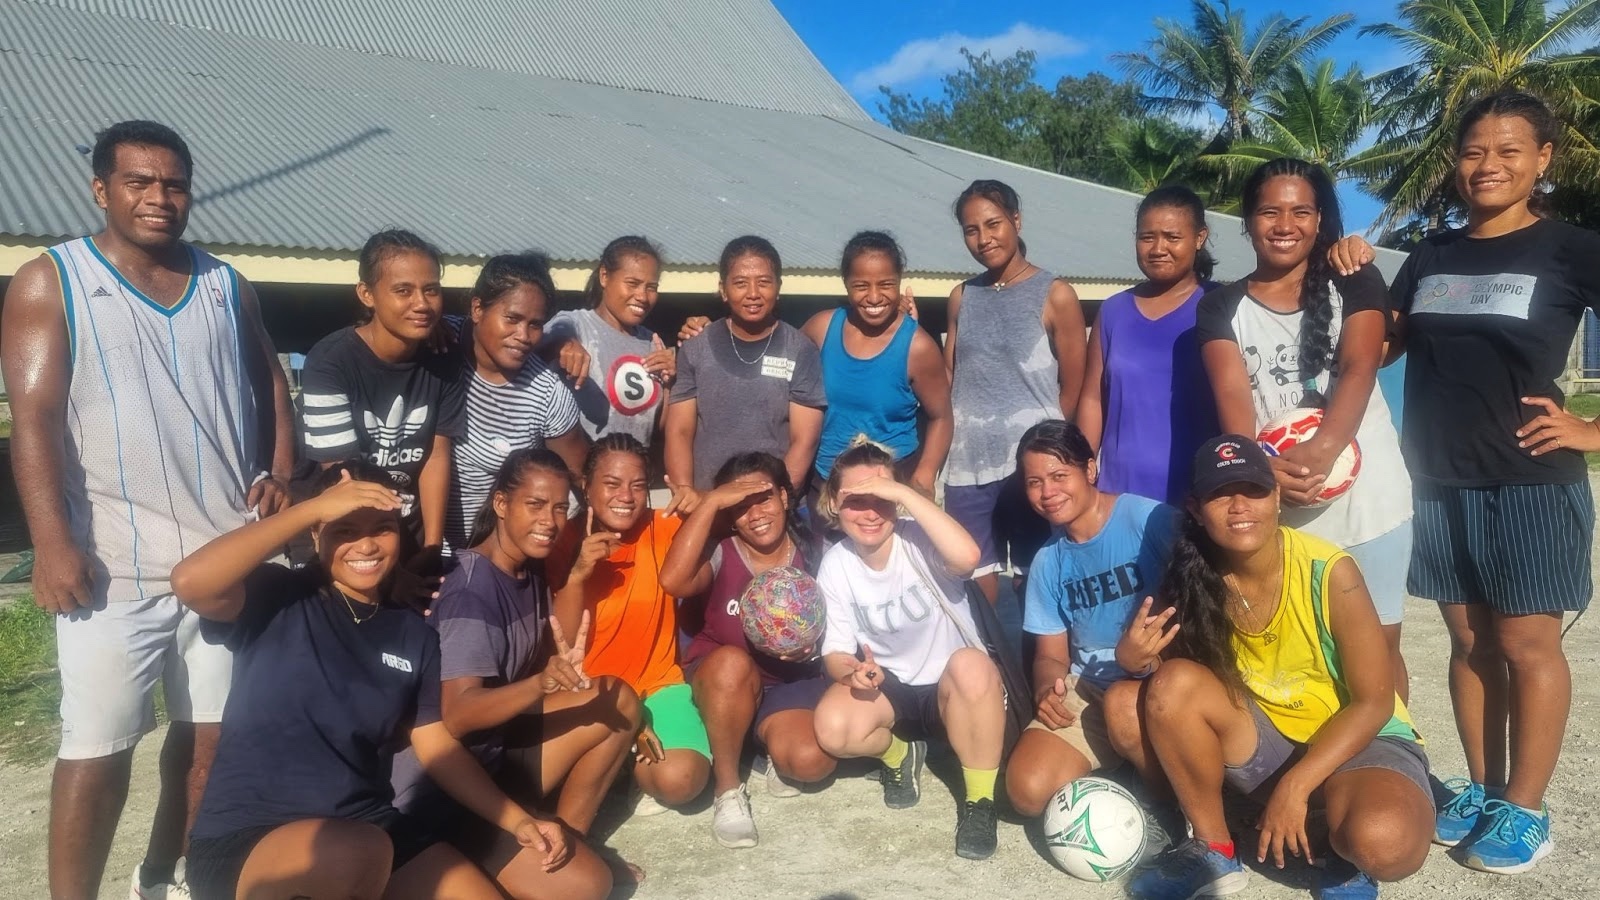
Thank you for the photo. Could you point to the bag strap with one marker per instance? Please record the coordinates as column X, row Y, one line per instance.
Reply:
column 932, row 586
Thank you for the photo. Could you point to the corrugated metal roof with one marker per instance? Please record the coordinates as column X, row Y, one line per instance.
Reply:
column 727, row 51
column 301, row 146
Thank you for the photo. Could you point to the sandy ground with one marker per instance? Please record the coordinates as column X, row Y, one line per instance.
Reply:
column 840, row 843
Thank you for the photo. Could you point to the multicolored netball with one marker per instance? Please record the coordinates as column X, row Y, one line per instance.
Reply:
column 782, row 612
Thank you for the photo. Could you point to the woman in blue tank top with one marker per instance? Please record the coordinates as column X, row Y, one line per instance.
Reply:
column 879, row 368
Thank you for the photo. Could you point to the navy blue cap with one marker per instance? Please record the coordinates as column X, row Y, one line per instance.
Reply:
column 1230, row 459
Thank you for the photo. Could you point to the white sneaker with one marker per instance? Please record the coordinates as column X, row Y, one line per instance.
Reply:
column 776, row 786
column 178, row 889
column 731, row 822
column 647, row 806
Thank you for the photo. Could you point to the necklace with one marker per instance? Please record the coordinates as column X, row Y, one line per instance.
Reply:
column 1013, row 280
column 352, row 609
column 1252, row 626
column 734, row 343
column 748, row 556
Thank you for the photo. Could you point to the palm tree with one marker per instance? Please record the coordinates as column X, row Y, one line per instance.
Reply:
column 1218, row 60
column 1312, row 115
column 1151, row 152
column 1461, row 50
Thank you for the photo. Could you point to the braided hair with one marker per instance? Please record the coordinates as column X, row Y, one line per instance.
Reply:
column 1316, row 292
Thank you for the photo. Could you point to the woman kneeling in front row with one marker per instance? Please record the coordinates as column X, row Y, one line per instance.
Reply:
column 1279, row 685
column 332, row 676
column 895, row 594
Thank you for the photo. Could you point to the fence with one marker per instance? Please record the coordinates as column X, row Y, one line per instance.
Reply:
column 1586, row 356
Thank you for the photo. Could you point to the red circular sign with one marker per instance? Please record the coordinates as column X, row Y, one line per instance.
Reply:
column 630, row 387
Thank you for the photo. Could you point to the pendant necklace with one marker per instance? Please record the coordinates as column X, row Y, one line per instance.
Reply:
column 1233, row 585
column 352, row 609
column 1007, row 283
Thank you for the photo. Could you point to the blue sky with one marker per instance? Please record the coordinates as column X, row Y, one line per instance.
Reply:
column 910, row 45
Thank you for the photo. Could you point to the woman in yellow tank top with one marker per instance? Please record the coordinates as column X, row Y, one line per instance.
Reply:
column 1279, row 685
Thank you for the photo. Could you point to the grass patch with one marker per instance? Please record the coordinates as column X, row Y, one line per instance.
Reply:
column 1586, row 406
column 30, row 688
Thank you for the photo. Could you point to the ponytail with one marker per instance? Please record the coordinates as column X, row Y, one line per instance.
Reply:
column 611, row 260
column 513, row 472
column 1194, row 585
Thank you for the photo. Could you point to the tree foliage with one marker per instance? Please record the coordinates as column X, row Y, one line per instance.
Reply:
column 1392, row 134
column 1219, row 60
column 996, row 107
column 1461, row 50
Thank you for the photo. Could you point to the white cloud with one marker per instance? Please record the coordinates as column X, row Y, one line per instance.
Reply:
column 927, row 57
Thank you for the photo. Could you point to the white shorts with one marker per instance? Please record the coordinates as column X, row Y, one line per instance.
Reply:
column 110, row 660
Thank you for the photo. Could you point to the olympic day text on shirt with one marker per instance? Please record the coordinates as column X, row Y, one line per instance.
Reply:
column 777, row 367
column 1505, row 294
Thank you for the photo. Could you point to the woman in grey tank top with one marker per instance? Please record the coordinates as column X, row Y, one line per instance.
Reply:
column 1016, row 348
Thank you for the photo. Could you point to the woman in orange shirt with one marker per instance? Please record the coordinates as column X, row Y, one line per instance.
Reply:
column 634, row 632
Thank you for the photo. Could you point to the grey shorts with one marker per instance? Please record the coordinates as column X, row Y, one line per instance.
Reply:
column 1276, row 753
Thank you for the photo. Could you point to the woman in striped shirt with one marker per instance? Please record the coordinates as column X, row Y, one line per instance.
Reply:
column 514, row 399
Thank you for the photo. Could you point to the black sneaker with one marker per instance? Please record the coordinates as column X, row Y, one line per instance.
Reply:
column 902, row 785
column 975, row 830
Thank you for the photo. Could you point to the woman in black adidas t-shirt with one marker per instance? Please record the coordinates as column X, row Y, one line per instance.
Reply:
column 333, row 674
column 379, row 392
column 1504, row 517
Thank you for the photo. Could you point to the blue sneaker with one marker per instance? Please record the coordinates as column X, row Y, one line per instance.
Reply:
column 1189, row 870
column 1459, row 817
column 1511, row 841
column 1341, row 880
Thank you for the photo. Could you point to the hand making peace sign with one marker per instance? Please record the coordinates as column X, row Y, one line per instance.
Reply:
column 564, row 671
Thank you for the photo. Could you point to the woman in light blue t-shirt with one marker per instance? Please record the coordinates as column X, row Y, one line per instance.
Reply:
column 1088, row 591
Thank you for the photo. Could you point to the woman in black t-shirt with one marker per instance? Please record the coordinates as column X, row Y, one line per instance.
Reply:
column 378, row 392
column 333, row 674
column 1504, row 516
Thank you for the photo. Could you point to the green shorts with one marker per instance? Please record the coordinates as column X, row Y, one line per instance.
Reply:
column 671, row 712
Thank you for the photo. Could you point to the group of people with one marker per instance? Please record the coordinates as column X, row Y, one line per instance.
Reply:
column 492, row 625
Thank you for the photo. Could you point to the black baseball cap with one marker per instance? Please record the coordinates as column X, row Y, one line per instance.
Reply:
column 1230, row 459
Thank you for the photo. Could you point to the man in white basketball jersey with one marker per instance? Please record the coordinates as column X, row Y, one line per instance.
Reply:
column 149, row 417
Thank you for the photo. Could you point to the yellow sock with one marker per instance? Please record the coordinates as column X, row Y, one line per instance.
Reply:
column 896, row 754
column 980, row 783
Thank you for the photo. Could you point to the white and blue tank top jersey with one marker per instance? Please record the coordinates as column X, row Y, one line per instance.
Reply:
column 162, row 433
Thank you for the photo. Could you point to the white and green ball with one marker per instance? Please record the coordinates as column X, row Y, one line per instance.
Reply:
column 1095, row 829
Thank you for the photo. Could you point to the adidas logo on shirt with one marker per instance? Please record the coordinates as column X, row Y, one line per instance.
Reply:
column 395, row 662
column 100, row 292
column 395, row 427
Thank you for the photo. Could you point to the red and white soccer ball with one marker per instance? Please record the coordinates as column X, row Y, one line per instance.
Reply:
column 1298, row 425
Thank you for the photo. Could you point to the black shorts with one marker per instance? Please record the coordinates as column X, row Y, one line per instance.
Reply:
column 916, row 708
column 1522, row 549
column 517, row 774
column 789, row 695
column 213, row 865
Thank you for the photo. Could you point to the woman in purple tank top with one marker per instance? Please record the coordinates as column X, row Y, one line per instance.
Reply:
column 1146, row 404
column 737, row 688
